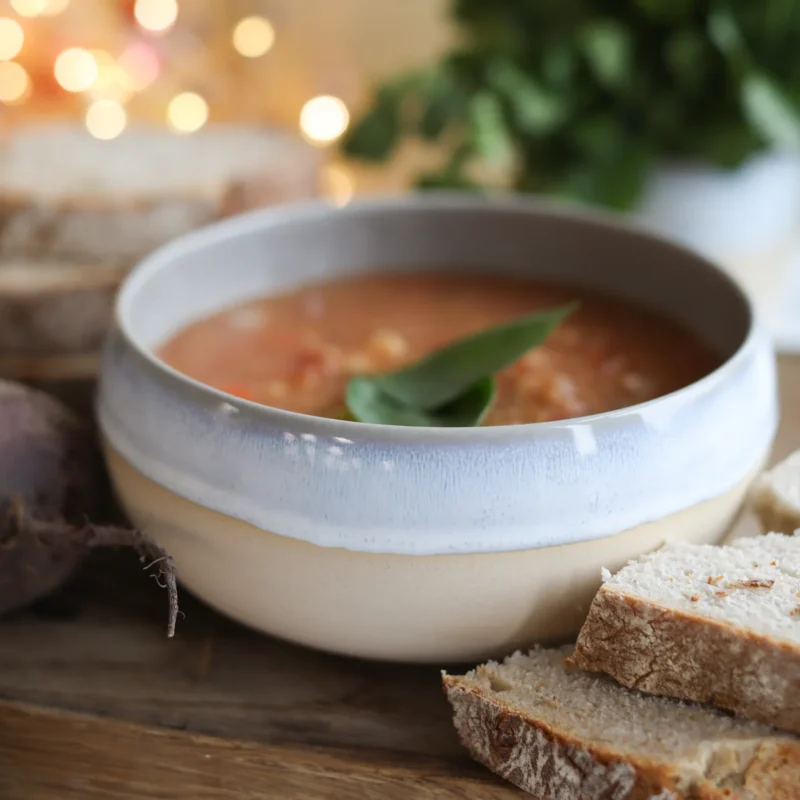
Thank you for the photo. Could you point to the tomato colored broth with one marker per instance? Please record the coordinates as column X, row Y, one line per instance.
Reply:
column 297, row 350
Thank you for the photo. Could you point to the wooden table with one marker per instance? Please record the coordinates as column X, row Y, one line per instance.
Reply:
column 96, row 704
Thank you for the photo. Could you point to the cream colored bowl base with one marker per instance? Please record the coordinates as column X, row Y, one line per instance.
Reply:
column 400, row 608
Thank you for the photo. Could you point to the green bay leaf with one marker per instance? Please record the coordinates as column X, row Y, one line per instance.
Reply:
column 447, row 373
column 367, row 403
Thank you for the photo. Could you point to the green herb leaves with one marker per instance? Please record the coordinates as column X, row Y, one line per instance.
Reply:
column 771, row 112
column 582, row 100
column 608, row 49
column 454, row 386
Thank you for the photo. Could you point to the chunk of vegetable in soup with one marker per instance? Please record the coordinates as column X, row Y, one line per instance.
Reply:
column 298, row 350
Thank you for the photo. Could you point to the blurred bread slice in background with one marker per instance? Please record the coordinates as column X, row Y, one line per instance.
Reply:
column 65, row 194
column 76, row 213
column 775, row 496
column 54, row 315
column 49, row 306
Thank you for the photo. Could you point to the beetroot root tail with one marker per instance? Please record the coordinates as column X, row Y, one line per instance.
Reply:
column 62, row 535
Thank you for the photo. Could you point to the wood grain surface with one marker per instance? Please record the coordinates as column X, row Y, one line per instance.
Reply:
column 51, row 755
column 220, row 711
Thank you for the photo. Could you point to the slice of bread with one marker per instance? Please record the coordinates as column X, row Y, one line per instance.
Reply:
column 50, row 307
column 562, row 734
column 717, row 625
column 775, row 496
column 64, row 194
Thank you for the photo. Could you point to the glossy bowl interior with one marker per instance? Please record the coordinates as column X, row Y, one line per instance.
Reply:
column 423, row 544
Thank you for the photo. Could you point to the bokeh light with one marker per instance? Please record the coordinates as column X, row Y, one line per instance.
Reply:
column 140, row 66
column 29, row 8
column 156, row 16
column 338, row 185
column 105, row 119
column 106, row 69
column 76, row 69
column 54, row 7
column 187, row 112
column 12, row 37
column 111, row 83
column 324, row 119
column 15, row 85
column 253, row 37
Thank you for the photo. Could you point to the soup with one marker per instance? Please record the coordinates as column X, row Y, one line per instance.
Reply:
column 297, row 350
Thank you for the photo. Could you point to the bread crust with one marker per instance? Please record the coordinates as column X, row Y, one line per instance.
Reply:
column 670, row 652
column 118, row 232
column 552, row 764
column 102, row 237
column 54, row 311
column 115, row 234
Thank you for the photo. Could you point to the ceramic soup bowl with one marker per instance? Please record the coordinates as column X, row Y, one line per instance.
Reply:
column 424, row 544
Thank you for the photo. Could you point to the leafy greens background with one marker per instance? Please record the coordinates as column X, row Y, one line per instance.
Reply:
column 580, row 99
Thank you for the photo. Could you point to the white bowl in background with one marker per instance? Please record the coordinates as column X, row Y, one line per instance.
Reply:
column 746, row 219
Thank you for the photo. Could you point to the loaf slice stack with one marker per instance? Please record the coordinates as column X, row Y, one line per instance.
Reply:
column 66, row 195
column 775, row 497
column 718, row 625
column 564, row 734
column 609, row 719
column 77, row 213
column 39, row 304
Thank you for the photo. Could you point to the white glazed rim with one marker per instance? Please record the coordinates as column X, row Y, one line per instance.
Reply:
column 163, row 258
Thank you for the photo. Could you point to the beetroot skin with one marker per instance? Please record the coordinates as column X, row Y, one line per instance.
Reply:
column 53, row 492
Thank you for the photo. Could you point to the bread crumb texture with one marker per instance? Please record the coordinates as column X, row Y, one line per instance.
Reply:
column 728, row 634
column 562, row 734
